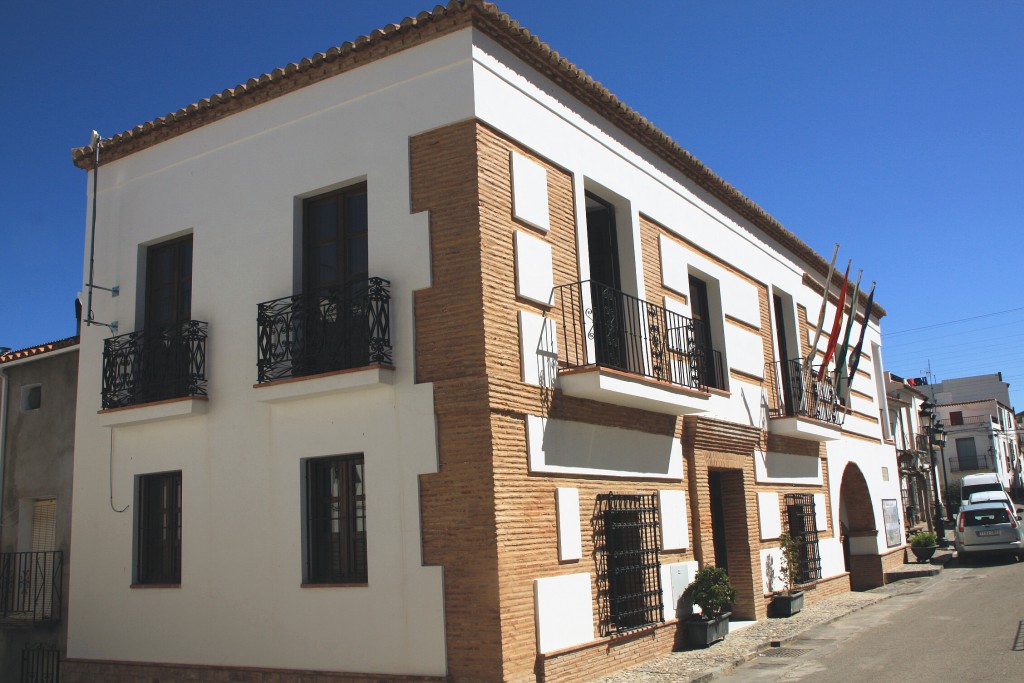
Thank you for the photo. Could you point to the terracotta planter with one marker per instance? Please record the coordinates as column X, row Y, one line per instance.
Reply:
column 923, row 553
column 703, row 632
column 787, row 604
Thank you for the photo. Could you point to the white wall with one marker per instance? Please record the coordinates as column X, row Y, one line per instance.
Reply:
column 236, row 185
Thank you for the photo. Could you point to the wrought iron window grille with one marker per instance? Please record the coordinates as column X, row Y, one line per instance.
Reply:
column 629, row 582
column 155, row 365
column 603, row 326
column 336, row 328
column 803, row 528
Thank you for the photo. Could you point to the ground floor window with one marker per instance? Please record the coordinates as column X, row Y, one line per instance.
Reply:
column 631, row 576
column 159, row 529
column 335, row 520
column 802, row 526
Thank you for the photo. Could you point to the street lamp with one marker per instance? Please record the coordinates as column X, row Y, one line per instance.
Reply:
column 936, row 436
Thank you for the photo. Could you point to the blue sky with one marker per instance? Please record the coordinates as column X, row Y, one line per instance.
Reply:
column 891, row 128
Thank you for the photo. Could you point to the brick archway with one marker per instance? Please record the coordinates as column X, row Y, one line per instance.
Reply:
column 858, row 531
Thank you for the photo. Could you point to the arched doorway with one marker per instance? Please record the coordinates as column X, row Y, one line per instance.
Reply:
column 858, row 531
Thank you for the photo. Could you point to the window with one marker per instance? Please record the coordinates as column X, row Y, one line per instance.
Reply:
column 700, row 311
column 802, row 526
column 632, row 576
column 967, row 453
column 31, row 397
column 956, row 417
column 159, row 529
column 335, row 249
column 168, row 283
column 335, row 520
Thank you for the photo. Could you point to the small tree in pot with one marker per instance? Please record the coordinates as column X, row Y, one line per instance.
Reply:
column 714, row 594
column 788, row 602
column 923, row 545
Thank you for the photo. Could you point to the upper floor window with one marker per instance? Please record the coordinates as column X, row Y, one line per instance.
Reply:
column 169, row 283
column 335, row 520
column 335, row 247
column 31, row 397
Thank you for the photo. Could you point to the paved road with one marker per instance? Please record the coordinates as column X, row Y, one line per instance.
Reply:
column 967, row 624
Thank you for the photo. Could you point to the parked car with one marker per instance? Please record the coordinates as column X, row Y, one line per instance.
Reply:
column 974, row 483
column 988, row 528
column 993, row 497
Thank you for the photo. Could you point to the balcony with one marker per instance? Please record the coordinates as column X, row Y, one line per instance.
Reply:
column 810, row 408
column 622, row 350
column 31, row 587
column 972, row 463
column 155, row 365
column 326, row 331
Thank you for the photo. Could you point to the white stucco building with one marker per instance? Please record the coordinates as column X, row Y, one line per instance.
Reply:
column 412, row 336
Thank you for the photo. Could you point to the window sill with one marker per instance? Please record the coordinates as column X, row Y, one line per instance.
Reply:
column 155, row 585
column 334, row 585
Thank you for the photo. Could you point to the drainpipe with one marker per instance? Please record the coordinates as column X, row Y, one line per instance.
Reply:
column 3, row 437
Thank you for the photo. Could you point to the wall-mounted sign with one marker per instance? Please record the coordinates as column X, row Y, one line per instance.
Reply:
column 891, row 515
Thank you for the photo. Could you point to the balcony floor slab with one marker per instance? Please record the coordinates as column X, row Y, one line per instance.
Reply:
column 633, row 391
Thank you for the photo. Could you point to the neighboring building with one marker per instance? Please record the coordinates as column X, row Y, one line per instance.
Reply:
column 914, row 451
column 521, row 364
column 981, row 430
column 38, row 387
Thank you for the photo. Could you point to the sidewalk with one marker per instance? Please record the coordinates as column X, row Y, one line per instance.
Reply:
column 703, row 664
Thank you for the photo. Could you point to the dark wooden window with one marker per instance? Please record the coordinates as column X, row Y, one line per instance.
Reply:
column 169, row 283
column 336, row 520
column 335, row 238
column 956, row 417
column 159, row 529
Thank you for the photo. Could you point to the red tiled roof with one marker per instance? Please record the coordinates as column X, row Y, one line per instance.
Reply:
column 457, row 14
column 38, row 350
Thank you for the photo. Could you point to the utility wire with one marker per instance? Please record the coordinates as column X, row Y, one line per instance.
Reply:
column 951, row 322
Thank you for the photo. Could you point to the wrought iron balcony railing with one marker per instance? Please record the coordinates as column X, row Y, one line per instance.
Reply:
column 804, row 395
column 968, row 463
column 31, row 586
column 606, row 327
column 154, row 365
column 323, row 331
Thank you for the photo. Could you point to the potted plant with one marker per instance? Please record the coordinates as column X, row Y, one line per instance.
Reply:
column 714, row 594
column 787, row 602
column 923, row 545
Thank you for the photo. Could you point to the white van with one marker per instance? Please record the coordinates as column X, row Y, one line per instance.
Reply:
column 973, row 483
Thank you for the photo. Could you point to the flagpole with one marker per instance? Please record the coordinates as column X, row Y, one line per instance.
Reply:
column 806, row 370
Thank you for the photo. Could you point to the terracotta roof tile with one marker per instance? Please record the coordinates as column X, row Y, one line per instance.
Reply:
column 38, row 350
column 426, row 26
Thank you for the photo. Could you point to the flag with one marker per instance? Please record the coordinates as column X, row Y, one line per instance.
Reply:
column 855, row 356
column 844, row 348
column 833, row 337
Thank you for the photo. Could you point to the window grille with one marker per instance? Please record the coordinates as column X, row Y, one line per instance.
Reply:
column 159, row 529
column 40, row 663
column 804, row 530
column 632, row 576
column 336, row 520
